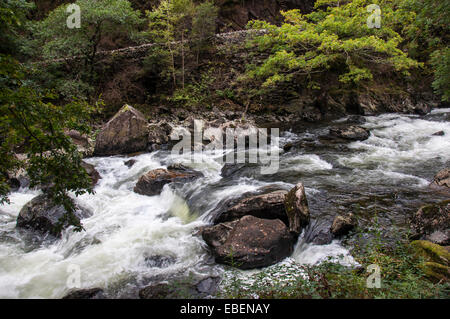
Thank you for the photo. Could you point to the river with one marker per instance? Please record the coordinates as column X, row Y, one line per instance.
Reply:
column 131, row 240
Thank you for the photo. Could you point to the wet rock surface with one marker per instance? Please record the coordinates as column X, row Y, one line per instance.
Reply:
column 352, row 133
column 92, row 172
column 268, row 206
column 442, row 179
column 92, row 293
column 432, row 222
column 343, row 224
column 126, row 132
column 249, row 242
column 181, row 289
column 41, row 214
column 152, row 183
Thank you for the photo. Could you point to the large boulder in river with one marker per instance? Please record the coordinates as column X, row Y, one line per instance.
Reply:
column 432, row 222
column 249, row 242
column 42, row 215
column 352, row 133
column 269, row 206
column 297, row 209
column 126, row 132
column 152, row 183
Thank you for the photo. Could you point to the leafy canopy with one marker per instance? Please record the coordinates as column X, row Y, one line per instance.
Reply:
column 332, row 37
column 32, row 125
column 99, row 19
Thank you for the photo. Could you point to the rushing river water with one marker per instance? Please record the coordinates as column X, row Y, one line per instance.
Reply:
column 131, row 240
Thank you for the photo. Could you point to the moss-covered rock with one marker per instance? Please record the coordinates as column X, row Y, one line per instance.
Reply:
column 437, row 259
column 126, row 132
column 436, row 272
column 432, row 252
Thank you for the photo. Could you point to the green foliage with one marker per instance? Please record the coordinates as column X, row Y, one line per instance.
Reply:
column 197, row 93
column 440, row 60
column 203, row 26
column 30, row 122
column 32, row 125
column 178, row 25
column 99, row 19
column 12, row 22
column 334, row 38
column 428, row 37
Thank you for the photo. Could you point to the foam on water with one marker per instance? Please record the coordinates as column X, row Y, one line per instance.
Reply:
column 126, row 229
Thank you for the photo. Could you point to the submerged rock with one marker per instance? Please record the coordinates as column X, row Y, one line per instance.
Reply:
column 318, row 233
column 353, row 133
column 432, row 222
column 297, row 210
column 152, row 183
column 356, row 119
column 42, row 215
column 343, row 224
column 229, row 169
column 130, row 163
column 159, row 261
column 126, row 132
column 92, row 293
column 249, row 242
column 269, row 206
column 287, row 147
column 163, row 291
column 92, row 172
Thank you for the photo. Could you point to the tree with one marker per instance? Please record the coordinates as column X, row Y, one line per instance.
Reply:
column 203, row 25
column 334, row 37
column 12, row 22
column 98, row 19
column 175, row 24
column 32, row 125
column 428, row 38
column 169, row 25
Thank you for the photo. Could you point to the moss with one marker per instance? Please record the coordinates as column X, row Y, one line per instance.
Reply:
column 436, row 271
column 432, row 252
